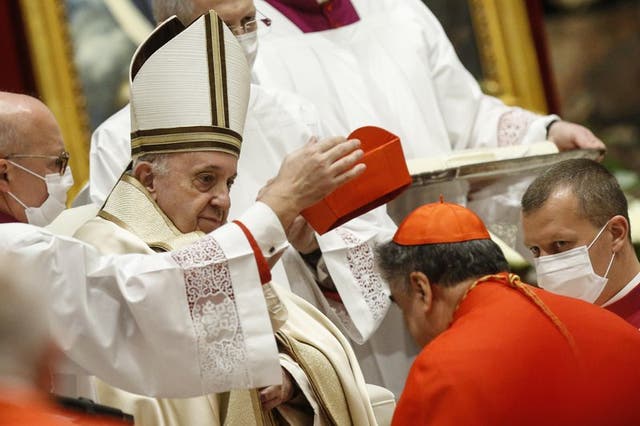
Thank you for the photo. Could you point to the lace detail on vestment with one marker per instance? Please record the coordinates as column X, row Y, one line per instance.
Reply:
column 361, row 263
column 221, row 342
column 513, row 126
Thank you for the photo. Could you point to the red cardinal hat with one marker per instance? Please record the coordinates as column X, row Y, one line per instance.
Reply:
column 384, row 179
column 438, row 223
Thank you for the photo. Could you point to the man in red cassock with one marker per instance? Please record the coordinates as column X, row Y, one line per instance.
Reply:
column 496, row 351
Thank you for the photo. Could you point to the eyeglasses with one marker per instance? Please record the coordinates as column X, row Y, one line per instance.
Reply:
column 62, row 160
column 250, row 26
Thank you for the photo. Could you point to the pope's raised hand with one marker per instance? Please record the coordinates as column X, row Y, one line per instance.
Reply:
column 309, row 174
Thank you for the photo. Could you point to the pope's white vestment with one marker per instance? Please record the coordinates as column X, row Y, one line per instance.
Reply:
column 131, row 319
column 277, row 123
column 314, row 352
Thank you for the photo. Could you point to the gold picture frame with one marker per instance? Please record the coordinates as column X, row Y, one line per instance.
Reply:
column 507, row 53
column 502, row 31
column 56, row 79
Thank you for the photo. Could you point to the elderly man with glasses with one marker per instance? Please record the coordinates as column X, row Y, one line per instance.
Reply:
column 33, row 163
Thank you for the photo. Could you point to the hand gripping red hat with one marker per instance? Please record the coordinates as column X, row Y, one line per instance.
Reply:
column 438, row 223
column 385, row 178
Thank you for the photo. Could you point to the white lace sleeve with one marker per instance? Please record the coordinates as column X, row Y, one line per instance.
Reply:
column 361, row 263
column 513, row 126
column 171, row 325
column 235, row 341
column 220, row 340
column 349, row 257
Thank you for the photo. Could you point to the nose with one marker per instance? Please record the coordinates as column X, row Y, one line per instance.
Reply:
column 221, row 198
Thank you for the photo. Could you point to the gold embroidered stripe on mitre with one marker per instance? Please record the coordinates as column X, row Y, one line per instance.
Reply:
column 181, row 139
column 217, row 72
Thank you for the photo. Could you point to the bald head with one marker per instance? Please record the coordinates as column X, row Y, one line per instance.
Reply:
column 25, row 122
column 30, row 143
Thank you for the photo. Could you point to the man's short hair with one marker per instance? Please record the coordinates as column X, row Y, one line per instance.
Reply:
column 159, row 163
column 598, row 193
column 444, row 264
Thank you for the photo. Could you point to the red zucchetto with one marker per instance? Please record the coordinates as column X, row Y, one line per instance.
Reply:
column 438, row 223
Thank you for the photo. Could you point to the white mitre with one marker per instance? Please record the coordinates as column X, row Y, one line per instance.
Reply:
column 189, row 89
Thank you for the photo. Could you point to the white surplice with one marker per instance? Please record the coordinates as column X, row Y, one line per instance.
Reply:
column 396, row 68
column 140, row 322
column 277, row 123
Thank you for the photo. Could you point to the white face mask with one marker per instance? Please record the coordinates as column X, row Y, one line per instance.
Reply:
column 571, row 273
column 57, row 187
column 249, row 43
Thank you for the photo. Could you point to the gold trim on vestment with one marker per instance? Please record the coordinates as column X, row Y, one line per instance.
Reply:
column 322, row 377
column 234, row 408
column 131, row 207
column 507, row 51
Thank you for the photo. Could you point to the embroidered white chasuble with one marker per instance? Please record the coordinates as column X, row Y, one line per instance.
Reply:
column 277, row 123
column 128, row 318
column 311, row 348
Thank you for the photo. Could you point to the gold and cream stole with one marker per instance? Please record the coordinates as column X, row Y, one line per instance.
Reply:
column 131, row 207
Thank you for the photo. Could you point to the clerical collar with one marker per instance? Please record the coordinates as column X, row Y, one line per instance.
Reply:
column 310, row 16
column 631, row 285
column 5, row 218
column 626, row 303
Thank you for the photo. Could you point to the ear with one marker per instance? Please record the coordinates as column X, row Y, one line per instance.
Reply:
column 4, row 182
column 619, row 228
column 143, row 172
column 421, row 289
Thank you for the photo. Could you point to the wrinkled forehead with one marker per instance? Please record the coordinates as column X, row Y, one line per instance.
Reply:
column 195, row 160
